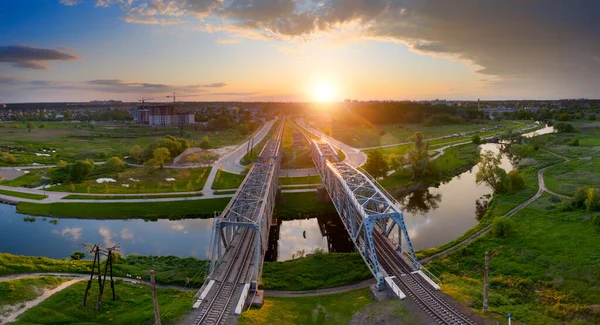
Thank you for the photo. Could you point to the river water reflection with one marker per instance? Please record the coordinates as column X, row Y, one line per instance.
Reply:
column 433, row 217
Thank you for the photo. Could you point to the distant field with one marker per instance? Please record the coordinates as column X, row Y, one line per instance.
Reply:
column 379, row 135
column 295, row 157
column 71, row 141
column 225, row 180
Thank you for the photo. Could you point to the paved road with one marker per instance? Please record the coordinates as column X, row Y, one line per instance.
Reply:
column 354, row 156
column 231, row 162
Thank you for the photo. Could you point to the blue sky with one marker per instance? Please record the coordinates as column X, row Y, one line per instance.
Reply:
column 58, row 50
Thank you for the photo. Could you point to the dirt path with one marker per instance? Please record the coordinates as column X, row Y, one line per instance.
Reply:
column 541, row 189
column 320, row 292
column 30, row 304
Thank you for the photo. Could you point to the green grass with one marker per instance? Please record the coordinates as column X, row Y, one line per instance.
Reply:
column 252, row 156
column 454, row 161
column 546, row 272
column 292, row 205
column 74, row 141
column 498, row 206
column 30, row 179
column 224, row 192
column 126, row 197
column 313, row 179
column 317, row 271
column 133, row 306
column 294, row 157
column 307, row 187
column 364, row 136
column 225, row 180
column 566, row 178
column 119, row 210
column 329, row 309
column 23, row 195
column 170, row 270
column 14, row 292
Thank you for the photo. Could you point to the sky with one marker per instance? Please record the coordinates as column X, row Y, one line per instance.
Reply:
column 298, row 50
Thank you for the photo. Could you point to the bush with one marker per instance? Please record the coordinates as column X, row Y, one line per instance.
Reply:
column 564, row 127
column 516, row 181
column 501, row 226
column 592, row 200
column 476, row 139
column 596, row 222
column 77, row 256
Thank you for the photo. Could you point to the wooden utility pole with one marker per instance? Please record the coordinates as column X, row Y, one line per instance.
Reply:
column 485, row 283
column 154, row 300
column 485, row 276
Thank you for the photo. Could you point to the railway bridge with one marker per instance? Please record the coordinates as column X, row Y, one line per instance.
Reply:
column 371, row 216
column 240, row 240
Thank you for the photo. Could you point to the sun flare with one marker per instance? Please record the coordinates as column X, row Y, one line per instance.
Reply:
column 324, row 92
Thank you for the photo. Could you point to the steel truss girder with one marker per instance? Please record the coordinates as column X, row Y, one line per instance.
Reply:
column 362, row 206
column 251, row 207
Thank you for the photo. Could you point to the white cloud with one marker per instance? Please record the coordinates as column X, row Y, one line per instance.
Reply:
column 73, row 233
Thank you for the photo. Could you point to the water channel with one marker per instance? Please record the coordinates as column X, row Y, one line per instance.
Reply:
column 433, row 218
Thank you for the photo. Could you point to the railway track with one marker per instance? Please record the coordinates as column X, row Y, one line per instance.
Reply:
column 216, row 310
column 420, row 292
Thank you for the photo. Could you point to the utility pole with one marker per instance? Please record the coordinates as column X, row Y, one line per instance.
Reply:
column 156, row 314
column 485, row 283
column 485, row 276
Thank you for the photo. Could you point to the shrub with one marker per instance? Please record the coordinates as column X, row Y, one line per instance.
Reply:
column 592, row 201
column 564, row 127
column 596, row 222
column 516, row 181
column 476, row 139
column 501, row 226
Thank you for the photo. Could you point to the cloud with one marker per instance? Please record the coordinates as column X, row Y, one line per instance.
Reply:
column 126, row 234
column 7, row 80
column 548, row 43
column 107, row 236
column 215, row 85
column 120, row 86
column 70, row 2
column 226, row 41
column 236, row 93
column 73, row 233
column 29, row 57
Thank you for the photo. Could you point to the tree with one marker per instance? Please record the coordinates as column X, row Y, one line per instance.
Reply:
column 592, row 117
column 491, row 173
column 10, row 159
column 30, row 126
column 189, row 187
column 476, row 139
column 564, row 127
column 136, row 153
column 376, row 165
column 79, row 170
column 160, row 155
column 592, row 200
column 150, row 166
column 516, row 181
column 62, row 164
column 205, row 143
column 115, row 164
column 77, row 256
column 394, row 163
column 43, row 125
column 501, row 226
column 418, row 156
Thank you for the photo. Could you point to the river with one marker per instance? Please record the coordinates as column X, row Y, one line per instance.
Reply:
column 433, row 217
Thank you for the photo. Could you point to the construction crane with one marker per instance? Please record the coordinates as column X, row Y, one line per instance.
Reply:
column 143, row 100
column 174, row 96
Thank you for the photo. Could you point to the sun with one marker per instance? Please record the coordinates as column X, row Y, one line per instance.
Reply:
column 324, row 92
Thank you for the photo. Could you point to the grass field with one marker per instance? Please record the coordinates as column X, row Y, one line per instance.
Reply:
column 454, row 161
column 377, row 135
column 252, row 156
column 317, row 271
column 119, row 210
column 292, row 205
column 329, row 309
column 130, row 181
column 133, row 306
column 15, row 292
column 225, row 180
column 294, row 157
column 23, row 195
column 314, row 179
column 70, row 141
column 546, row 272
column 125, row 197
